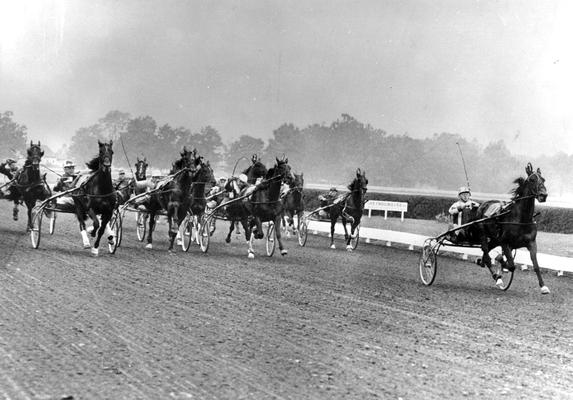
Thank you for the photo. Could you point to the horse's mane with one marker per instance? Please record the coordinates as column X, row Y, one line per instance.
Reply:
column 518, row 190
column 353, row 184
column 93, row 164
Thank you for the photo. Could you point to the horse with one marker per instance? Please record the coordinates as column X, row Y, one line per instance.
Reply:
column 96, row 196
column 141, row 169
column 511, row 225
column 29, row 185
column 265, row 205
column 293, row 203
column 236, row 212
column 173, row 196
column 349, row 208
column 202, row 178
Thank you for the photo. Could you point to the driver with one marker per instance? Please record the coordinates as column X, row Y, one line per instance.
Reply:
column 460, row 213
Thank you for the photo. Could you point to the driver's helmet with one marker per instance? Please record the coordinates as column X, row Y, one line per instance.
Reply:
column 243, row 178
column 463, row 189
column 222, row 179
column 10, row 161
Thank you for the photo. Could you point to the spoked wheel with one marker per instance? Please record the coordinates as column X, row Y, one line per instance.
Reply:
column 205, row 234
column 302, row 232
column 271, row 239
column 35, row 232
column 115, row 226
column 354, row 240
column 51, row 215
column 187, row 233
column 428, row 264
column 505, row 277
column 141, row 225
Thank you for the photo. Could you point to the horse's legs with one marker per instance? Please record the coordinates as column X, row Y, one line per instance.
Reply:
column 332, row 225
column 279, row 234
column 532, row 247
column 15, row 211
column 30, row 205
column 105, row 218
column 173, row 218
column 246, row 227
column 96, row 224
column 151, row 217
column 344, row 221
column 82, row 223
column 231, row 229
column 353, row 226
column 250, row 235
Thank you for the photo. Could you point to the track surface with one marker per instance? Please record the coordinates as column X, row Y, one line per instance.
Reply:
column 316, row 324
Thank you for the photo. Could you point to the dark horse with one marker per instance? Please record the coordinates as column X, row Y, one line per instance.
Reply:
column 203, row 178
column 511, row 225
column 293, row 202
column 172, row 195
column 234, row 210
column 141, row 169
column 96, row 196
column 29, row 185
column 349, row 208
column 265, row 204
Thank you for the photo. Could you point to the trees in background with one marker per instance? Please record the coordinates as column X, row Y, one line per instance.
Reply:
column 13, row 135
column 326, row 153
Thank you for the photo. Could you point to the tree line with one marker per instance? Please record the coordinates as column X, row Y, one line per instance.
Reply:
column 325, row 153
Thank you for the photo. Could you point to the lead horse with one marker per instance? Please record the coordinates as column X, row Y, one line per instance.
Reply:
column 29, row 185
column 511, row 225
column 349, row 208
column 96, row 196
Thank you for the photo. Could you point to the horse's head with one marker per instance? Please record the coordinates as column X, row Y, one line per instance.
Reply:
column 298, row 182
column 360, row 184
column 203, row 172
column 283, row 169
column 105, row 155
column 533, row 185
column 35, row 154
column 141, row 169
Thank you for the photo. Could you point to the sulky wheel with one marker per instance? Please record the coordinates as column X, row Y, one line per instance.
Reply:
column 187, row 233
column 35, row 232
column 115, row 223
column 354, row 239
column 141, row 225
column 505, row 277
column 302, row 232
column 428, row 264
column 204, row 233
column 271, row 239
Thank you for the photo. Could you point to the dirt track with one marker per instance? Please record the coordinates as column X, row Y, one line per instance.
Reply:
column 316, row 324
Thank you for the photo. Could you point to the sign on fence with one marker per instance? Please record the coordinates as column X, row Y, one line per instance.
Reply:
column 386, row 206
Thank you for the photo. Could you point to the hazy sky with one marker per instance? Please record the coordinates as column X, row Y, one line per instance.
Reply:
column 482, row 69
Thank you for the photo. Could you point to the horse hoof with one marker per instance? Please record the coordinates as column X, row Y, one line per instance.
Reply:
column 179, row 241
column 251, row 255
column 545, row 290
column 332, row 246
column 349, row 248
column 284, row 252
column 95, row 252
column 149, row 246
column 87, row 246
column 227, row 240
column 499, row 283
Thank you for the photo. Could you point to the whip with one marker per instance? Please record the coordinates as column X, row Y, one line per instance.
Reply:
column 464, row 163
column 125, row 154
